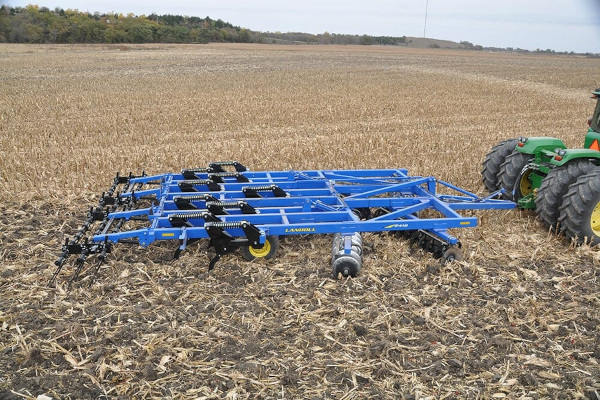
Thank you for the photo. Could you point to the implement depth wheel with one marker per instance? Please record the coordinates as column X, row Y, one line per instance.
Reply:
column 492, row 162
column 555, row 186
column 267, row 251
column 450, row 255
column 348, row 266
column 510, row 170
column 580, row 211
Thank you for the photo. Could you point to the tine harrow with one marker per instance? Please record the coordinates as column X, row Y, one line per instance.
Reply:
column 235, row 208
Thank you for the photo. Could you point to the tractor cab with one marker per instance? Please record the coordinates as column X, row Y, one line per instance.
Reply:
column 594, row 122
column 592, row 138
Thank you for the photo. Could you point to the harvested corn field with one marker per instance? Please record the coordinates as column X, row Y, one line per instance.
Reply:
column 516, row 318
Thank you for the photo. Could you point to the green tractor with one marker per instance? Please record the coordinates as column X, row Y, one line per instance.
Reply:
column 562, row 185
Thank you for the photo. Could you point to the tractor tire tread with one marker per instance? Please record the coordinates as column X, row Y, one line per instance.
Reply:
column 493, row 160
column 577, row 207
column 510, row 171
column 555, row 186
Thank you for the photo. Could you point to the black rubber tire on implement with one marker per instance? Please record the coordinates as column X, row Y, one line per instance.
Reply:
column 555, row 186
column 510, row 170
column 451, row 254
column 347, row 266
column 493, row 160
column 581, row 208
column 267, row 252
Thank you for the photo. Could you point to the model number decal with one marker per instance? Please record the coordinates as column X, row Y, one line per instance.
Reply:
column 396, row 226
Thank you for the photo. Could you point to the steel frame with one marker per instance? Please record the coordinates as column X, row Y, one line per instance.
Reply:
column 241, row 207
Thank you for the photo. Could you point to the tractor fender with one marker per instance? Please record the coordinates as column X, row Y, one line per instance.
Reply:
column 535, row 145
column 569, row 155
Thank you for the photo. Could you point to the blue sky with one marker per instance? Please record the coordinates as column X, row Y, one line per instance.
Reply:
column 560, row 25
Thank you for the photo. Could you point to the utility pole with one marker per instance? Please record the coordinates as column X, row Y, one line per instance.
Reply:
column 426, row 7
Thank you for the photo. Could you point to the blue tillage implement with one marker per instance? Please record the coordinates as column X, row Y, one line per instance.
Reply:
column 235, row 208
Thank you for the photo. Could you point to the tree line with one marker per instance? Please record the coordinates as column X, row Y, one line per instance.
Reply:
column 329, row 38
column 34, row 24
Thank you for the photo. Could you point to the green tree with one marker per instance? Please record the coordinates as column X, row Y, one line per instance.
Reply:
column 115, row 34
column 35, row 33
column 4, row 23
column 58, row 31
column 366, row 40
column 244, row 36
column 140, row 31
column 33, row 24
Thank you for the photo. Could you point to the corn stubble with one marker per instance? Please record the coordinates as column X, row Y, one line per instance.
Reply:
column 516, row 319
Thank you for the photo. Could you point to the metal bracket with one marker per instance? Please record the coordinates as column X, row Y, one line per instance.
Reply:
column 224, row 243
column 252, row 191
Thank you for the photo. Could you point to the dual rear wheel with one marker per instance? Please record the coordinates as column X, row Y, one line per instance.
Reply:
column 568, row 198
column 555, row 186
column 580, row 211
column 502, row 169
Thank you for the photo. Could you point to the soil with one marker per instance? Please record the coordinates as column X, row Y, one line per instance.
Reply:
column 406, row 327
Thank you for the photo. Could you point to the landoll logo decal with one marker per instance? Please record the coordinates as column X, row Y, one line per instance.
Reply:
column 297, row 230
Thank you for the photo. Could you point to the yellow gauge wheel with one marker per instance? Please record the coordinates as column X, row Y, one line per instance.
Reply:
column 268, row 251
column 595, row 220
column 260, row 252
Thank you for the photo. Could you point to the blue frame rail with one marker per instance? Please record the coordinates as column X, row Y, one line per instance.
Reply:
column 234, row 208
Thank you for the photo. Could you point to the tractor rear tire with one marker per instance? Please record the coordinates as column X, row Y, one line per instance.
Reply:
column 493, row 160
column 555, row 186
column 510, row 170
column 580, row 211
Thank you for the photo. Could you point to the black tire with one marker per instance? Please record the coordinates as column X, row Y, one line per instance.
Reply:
column 363, row 213
column 510, row 170
column 555, row 186
column 347, row 266
column 267, row 252
column 580, row 211
column 450, row 255
column 493, row 160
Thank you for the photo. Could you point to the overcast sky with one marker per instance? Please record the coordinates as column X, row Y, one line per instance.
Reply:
column 561, row 25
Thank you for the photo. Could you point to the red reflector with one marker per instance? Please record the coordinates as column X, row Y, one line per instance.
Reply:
column 558, row 158
column 521, row 144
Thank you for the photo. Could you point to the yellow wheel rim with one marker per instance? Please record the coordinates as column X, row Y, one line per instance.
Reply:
column 262, row 252
column 525, row 184
column 595, row 220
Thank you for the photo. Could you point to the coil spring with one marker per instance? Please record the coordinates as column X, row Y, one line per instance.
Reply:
column 193, row 215
column 224, row 174
column 224, row 163
column 194, row 170
column 260, row 188
column 195, row 181
column 226, row 225
column 203, row 196
column 226, row 204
